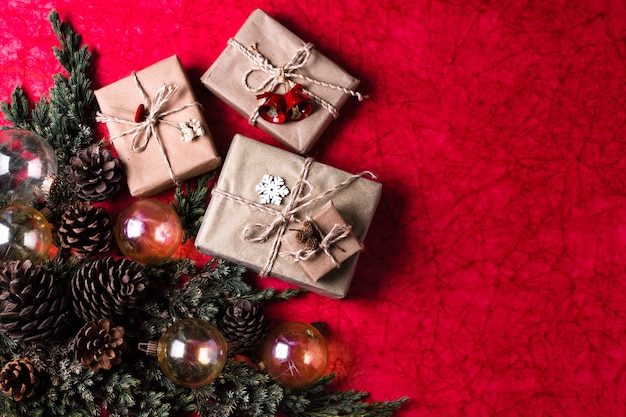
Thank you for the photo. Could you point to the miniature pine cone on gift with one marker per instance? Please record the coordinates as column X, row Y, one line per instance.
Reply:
column 309, row 236
column 85, row 230
column 20, row 379
column 94, row 174
column 99, row 345
column 244, row 326
column 107, row 288
column 33, row 303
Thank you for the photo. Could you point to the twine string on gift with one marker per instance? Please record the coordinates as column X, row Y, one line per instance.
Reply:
column 261, row 232
column 286, row 74
column 337, row 233
column 142, row 131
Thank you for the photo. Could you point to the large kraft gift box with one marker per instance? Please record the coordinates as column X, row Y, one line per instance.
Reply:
column 225, row 78
column 235, row 213
column 146, row 170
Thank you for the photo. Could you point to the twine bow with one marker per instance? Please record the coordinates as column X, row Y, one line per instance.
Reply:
column 337, row 233
column 261, row 232
column 286, row 75
column 155, row 110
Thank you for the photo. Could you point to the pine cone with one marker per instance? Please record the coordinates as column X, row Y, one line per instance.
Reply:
column 33, row 303
column 309, row 236
column 99, row 345
column 20, row 379
column 107, row 288
column 244, row 326
column 93, row 174
column 85, row 229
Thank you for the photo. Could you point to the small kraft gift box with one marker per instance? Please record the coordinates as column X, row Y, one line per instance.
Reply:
column 266, row 204
column 279, row 82
column 157, row 127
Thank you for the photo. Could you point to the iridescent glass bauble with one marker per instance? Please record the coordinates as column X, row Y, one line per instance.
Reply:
column 192, row 353
column 24, row 233
column 148, row 231
column 28, row 166
column 295, row 354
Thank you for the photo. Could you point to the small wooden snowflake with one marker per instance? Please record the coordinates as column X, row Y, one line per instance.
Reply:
column 271, row 189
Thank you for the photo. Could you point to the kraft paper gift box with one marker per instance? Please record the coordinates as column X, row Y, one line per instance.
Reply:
column 155, row 156
column 236, row 220
column 321, row 243
column 234, row 74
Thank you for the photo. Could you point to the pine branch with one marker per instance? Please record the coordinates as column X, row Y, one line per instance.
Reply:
column 18, row 110
column 64, row 120
column 190, row 204
column 318, row 401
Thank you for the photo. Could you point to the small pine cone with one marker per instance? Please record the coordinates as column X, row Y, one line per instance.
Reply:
column 244, row 326
column 20, row 379
column 33, row 303
column 309, row 236
column 309, row 228
column 93, row 174
column 86, row 230
column 98, row 345
column 107, row 288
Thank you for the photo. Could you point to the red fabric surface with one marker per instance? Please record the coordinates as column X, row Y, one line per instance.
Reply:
column 492, row 282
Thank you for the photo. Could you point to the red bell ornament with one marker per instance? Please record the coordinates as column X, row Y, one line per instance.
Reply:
column 273, row 110
column 298, row 104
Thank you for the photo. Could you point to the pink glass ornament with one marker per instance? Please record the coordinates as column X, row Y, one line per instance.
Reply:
column 148, row 231
column 192, row 353
column 28, row 166
column 24, row 233
column 295, row 354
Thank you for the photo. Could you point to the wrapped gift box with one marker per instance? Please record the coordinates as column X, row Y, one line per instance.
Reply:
column 262, row 34
column 147, row 170
column 321, row 243
column 235, row 214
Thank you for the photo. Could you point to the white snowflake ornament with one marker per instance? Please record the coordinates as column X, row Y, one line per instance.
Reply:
column 271, row 190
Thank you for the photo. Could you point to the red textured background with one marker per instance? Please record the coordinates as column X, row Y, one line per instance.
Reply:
column 493, row 281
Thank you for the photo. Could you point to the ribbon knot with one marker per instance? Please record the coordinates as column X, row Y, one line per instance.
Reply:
column 286, row 74
column 156, row 111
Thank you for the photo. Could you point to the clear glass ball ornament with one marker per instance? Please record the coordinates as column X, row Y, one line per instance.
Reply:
column 148, row 231
column 28, row 166
column 192, row 353
column 295, row 354
column 24, row 233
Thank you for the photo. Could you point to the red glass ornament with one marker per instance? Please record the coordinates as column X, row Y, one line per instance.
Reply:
column 295, row 354
column 148, row 231
column 273, row 110
column 298, row 104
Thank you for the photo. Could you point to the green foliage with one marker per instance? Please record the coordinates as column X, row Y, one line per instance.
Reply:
column 178, row 289
column 66, row 119
column 190, row 203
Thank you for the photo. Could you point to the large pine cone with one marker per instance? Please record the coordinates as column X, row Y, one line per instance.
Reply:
column 99, row 345
column 244, row 326
column 93, row 174
column 33, row 303
column 20, row 379
column 107, row 288
column 86, row 230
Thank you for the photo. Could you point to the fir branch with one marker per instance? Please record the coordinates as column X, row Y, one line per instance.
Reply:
column 17, row 111
column 190, row 204
column 65, row 120
column 318, row 401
